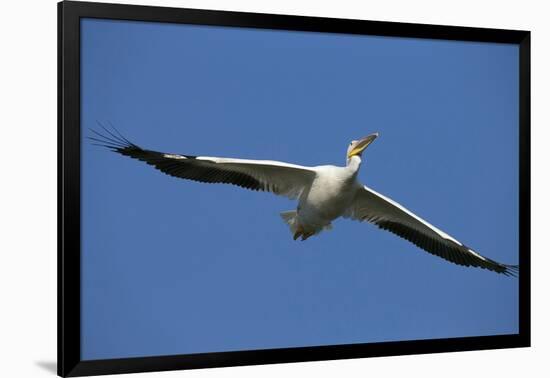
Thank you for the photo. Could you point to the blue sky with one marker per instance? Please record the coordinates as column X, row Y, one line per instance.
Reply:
column 173, row 267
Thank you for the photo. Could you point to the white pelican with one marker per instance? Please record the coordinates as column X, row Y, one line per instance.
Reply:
column 324, row 193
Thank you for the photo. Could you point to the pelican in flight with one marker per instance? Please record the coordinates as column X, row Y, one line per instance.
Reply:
column 324, row 193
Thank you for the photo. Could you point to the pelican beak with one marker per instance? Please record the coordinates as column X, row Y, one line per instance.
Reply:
column 362, row 144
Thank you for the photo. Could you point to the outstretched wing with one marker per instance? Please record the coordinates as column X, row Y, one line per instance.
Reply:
column 264, row 175
column 387, row 214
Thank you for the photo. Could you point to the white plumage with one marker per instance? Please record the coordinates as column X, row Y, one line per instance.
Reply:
column 324, row 193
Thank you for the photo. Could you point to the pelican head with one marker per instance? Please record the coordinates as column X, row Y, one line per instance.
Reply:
column 356, row 147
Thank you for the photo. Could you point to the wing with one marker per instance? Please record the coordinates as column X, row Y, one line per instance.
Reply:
column 387, row 214
column 262, row 175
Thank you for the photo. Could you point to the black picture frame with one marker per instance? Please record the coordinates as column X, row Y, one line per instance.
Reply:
column 69, row 358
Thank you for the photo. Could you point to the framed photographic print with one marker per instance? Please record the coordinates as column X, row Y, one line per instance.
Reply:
column 239, row 188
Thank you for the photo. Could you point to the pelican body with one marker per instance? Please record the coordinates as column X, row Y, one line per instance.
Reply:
column 324, row 193
column 331, row 194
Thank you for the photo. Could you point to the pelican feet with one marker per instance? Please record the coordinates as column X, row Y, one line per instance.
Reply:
column 303, row 233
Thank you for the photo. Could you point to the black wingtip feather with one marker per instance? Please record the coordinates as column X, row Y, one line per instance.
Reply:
column 112, row 140
column 511, row 270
